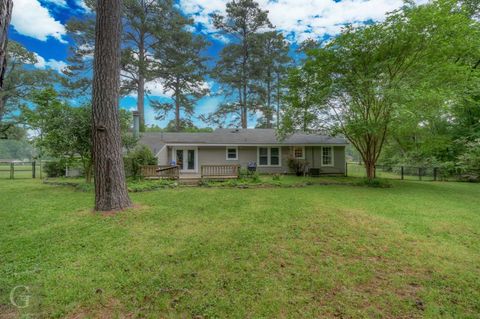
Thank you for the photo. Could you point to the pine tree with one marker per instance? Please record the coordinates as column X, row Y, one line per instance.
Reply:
column 19, row 81
column 235, row 70
column 78, row 79
column 181, row 69
column 272, row 61
column 145, row 22
column 110, row 186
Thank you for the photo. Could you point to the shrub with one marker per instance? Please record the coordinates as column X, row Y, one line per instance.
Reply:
column 140, row 156
column 85, row 187
column 149, row 185
column 276, row 177
column 297, row 165
column 244, row 173
column 469, row 161
column 55, row 168
column 255, row 177
column 376, row 183
column 204, row 183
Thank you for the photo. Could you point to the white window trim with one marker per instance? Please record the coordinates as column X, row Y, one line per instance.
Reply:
column 303, row 152
column 333, row 156
column 236, row 153
column 269, row 156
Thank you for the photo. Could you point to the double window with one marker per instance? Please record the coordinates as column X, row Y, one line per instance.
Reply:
column 269, row 156
column 327, row 156
column 232, row 153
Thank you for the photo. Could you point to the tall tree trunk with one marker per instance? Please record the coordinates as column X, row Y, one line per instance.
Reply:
column 245, row 82
column 278, row 100
column 2, row 107
column 141, row 81
column 177, row 106
column 245, row 107
column 370, row 168
column 87, row 168
column 268, row 115
column 5, row 16
column 141, row 102
column 110, row 186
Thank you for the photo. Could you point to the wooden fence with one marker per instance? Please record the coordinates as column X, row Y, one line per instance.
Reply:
column 14, row 170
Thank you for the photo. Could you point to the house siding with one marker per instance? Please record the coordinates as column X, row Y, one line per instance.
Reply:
column 216, row 155
column 313, row 155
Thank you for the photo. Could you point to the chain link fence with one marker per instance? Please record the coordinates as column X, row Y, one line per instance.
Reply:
column 410, row 173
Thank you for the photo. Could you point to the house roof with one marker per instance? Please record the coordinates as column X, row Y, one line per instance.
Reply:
column 237, row 137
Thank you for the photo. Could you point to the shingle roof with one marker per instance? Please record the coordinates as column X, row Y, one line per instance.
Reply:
column 236, row 137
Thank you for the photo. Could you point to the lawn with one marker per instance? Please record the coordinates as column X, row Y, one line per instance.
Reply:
column 333, row 251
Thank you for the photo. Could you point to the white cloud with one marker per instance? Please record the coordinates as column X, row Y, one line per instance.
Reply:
column 60, row 3
column 53, row 64
column 209, row 104
column 155, row 88
column 302, row 19
column 31, row 19
column 83, row 5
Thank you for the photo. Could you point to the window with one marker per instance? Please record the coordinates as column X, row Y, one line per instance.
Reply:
column 263, row 156
column 232, row 153
column 269, row 156
column 274, row 156
column 327, row 156
column 299, row 152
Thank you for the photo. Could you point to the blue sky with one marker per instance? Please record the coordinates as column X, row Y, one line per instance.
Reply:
column 40, row 26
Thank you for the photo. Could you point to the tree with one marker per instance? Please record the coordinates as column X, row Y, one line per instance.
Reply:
column 145, row 25
column 78, row 79
column 65, row 132
column 242, row 24
column 433, row 126
column 271, row 60
column 182, row 71
column 5, row 16
column 62, row 131
column 110, row 186
column 364, row 78
column 303, row 105
column 20, row 79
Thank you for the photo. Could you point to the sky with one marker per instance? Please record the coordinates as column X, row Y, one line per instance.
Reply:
column 40, row 26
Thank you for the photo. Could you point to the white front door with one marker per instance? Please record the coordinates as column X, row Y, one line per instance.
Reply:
column 186, row 158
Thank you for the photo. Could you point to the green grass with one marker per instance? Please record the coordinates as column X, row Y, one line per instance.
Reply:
column 317, row 251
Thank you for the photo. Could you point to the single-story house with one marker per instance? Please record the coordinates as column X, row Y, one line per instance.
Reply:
column 261, row 147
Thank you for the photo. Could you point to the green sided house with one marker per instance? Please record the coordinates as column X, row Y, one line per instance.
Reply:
column 258, row 148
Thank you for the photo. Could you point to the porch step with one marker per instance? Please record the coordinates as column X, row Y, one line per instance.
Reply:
column 189, row 181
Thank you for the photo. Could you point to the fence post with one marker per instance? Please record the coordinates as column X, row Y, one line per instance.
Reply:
column 419, row 174
column 401, row 172
column 34, row 167
column 12, row 170
column 435, row 174
column 346, row 169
